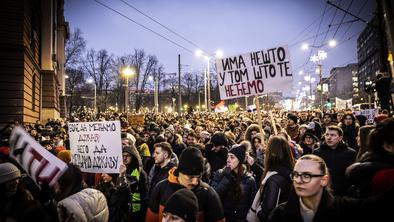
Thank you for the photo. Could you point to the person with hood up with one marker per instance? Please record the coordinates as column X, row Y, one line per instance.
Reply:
column 137, row 179
column 175, row 140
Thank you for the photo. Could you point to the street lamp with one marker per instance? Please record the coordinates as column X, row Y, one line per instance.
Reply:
column 156, row 92
column 127, row 72
column 95, row 95
column 207, row 75
column 321, row 55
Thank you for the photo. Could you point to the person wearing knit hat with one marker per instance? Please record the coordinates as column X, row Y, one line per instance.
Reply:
column 8, row 172
column 191, row 163
column 293, row 117
column 238, row 151
column 229, row 181
column 188, row 175
column 181, row 206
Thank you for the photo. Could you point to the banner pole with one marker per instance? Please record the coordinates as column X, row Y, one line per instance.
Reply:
column 257, row 101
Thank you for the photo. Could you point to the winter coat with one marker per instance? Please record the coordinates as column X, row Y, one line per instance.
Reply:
column 217, row 160
column 158, row 174
column 86, row 205
column 118, row 198
column 360, row 174
column 337, row 161
column 210, row 207
column 275, row 191
column 235, row 209
column 350, row 135
column 334, row 208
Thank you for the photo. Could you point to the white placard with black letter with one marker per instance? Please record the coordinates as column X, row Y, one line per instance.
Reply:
column 39, row 163
column 255, row 73
column 96, row 147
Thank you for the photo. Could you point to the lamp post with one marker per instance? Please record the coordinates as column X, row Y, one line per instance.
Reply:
column 321, row 55
column 207, row 75
column 127, row 72
column 317, row 59
column 95, row 95
column 156, row 93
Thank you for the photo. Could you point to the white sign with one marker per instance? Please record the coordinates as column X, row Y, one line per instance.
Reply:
column 40, row 164
column 254, row 73
column 343, row 104
column 96, row 147
column 369, row 113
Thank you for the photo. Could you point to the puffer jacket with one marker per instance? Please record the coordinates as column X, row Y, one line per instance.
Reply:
column 87, row 205
column 235, row 209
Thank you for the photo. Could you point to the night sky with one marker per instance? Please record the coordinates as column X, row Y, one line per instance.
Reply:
column 233, row 26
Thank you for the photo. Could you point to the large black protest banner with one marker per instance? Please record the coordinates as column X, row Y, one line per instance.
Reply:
column 254, row 73
column 96, row 147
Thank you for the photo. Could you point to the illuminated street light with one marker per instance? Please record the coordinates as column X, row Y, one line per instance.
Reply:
column 332, row 43
column 207, row 75
column 95, row 94
column 127, row 72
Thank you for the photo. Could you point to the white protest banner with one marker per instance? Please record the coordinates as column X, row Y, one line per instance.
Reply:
column 254, row 73
column 96, row 146
column 39, row 163
column 369, row 113
column 343, row 104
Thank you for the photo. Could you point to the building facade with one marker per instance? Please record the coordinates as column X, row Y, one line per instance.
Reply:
column 31, row 59
column 371, row 55
column 343, row 82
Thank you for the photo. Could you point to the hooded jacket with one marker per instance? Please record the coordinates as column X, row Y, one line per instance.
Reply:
column 210, row 207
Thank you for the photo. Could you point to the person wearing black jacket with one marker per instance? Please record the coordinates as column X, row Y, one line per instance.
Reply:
column 162, row 156
column 216, row 151
column 235, row 186
column 276, row 183
column 312, row 200
column 380, row 156
column 338, row 157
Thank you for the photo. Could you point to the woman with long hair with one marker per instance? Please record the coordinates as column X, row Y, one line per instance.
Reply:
column 235, row 186
column 276, row 183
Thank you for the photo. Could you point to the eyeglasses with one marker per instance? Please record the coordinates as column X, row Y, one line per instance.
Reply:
column 305, row 177
column 348, row 119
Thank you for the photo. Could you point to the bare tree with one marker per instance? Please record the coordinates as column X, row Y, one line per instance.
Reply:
column 99, row 67
column 74, row 82
column 75, row 46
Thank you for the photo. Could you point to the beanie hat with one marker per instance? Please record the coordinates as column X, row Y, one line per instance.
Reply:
column 292, row 117
column 191, row 161
column 183, row 203
column 219, row 138
column 65, row 156
column 170, row 129
column 239, row 151
column 8, row 171
column 127, row 149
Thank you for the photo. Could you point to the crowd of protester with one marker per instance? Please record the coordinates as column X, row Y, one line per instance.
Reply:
column 200, row 166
